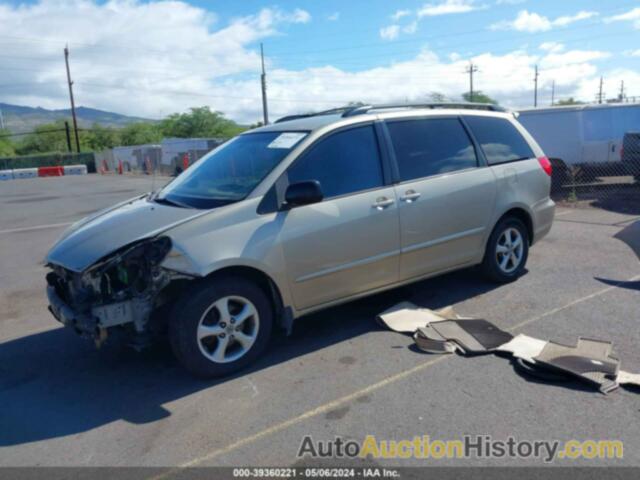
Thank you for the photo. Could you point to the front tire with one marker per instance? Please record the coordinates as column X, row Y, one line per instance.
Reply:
column 221, row 326
column 507, row 251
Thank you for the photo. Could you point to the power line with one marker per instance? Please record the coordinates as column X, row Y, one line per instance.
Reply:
column 39, row 132
column 450, row 48
column 162, row 53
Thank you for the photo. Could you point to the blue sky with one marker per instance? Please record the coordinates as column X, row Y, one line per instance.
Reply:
column 331, row 40
column 154, row 58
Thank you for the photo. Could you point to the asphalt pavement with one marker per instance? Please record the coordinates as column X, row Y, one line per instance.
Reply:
column 64, row 403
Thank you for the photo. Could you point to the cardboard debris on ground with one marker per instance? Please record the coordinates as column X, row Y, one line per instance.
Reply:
column 407, row 317
column 443, row 331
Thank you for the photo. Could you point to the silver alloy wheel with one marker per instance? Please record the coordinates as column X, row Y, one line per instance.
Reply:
column 509, row 250
column 227, row 329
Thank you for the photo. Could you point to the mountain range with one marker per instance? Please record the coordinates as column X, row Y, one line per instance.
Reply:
column 21, row 119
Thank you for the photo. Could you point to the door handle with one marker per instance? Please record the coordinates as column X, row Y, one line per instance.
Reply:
column 410, row 196
column 382, row 202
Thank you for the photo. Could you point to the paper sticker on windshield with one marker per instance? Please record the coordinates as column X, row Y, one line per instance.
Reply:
column 287, row 140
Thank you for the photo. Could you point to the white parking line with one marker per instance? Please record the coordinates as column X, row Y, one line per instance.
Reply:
column 563, row 212
column 371, row 388
column 36, row 227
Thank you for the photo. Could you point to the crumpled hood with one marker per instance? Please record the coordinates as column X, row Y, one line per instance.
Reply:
column 92, row 239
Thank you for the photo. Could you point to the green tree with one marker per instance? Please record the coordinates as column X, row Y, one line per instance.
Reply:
column 99, row 137
column 140, row 133
column 567, row 101
column 479, row 97
column 49, row 137
column 7, row 148
column 199, row 122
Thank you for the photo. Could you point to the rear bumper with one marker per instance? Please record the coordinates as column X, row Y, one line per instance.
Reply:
column 543, row 213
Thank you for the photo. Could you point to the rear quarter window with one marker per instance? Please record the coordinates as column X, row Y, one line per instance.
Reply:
column 500, row 141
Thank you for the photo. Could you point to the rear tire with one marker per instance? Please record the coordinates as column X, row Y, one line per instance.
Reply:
column 507, row 251
column 221, row 326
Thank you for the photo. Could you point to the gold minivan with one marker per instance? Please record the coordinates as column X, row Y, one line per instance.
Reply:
column 290, row 218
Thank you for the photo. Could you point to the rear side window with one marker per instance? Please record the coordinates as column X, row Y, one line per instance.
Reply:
column 428, row 147
column 500, row 140
column 343, row 163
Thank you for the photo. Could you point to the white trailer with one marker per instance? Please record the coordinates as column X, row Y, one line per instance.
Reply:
column 587, row 136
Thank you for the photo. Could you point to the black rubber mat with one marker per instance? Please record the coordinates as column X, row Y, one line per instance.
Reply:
column 474, row 336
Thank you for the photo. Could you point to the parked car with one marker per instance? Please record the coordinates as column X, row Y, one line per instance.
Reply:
column 583, row 141
column 301, row 215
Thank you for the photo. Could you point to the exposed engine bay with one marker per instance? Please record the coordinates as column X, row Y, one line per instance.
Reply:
column 122, row 289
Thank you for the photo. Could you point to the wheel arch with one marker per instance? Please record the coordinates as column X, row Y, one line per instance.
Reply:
column 266, row 284
column 521, row 214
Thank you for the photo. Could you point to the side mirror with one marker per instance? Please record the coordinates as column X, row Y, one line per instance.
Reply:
column 303, row 193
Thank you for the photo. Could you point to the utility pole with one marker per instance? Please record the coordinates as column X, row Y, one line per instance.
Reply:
column 535, row 88
column 600, row 94
column 263, row 77
column 553, row 92
column 66, row 131
column 471, row 69
column 73, row 105
column 621, row 92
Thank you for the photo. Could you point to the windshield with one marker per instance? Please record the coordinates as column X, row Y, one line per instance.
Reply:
column 230, row 172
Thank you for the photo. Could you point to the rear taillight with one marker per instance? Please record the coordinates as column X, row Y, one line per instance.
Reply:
column 546, row 165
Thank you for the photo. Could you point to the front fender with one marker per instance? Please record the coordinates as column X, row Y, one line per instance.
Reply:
column 235, row 237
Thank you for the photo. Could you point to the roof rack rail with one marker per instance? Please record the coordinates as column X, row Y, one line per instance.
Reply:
column 342, row 110
column 461, row 105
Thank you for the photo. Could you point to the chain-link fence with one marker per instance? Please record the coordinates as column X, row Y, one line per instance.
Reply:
column 169, row 158
column 611, row 185
column 49, row 160
column 595, row 153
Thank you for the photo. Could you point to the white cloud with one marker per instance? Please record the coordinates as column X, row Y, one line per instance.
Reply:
column 334, row 16
column 527, row 21
column 446, row 7
column 297, row 16
column 509, row 2
column 560, row 60
column 390, row 33
column 551, row 47
column 568, row 19
column 179, row 56
column 410, row 28
column 632, row 53
column 399, row 14
column 630, row 16
column 131, row 56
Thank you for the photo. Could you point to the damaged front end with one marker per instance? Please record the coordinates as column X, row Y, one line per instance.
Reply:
column 121, row 290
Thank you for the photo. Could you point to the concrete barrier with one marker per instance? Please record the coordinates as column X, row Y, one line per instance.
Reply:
column 50, row 171
column 6, row 174
column 75, row 169
column 25, row 173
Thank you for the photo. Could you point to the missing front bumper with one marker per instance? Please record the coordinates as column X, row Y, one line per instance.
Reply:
column 101, row 317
